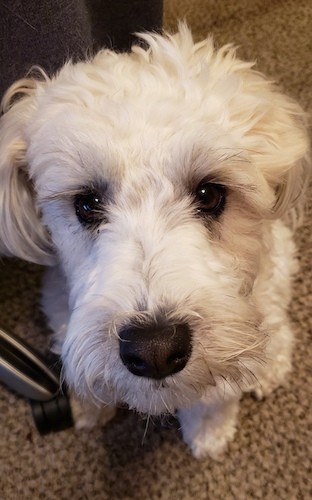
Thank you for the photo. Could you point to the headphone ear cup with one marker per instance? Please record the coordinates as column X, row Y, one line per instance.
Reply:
column 52, row 416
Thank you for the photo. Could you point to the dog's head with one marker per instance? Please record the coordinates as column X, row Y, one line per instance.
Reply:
column 152, row 178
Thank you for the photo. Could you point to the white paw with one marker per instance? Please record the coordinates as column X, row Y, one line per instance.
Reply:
column 88, row 416
column 208, row 427
column 211, row 442
column 275, row 377
column 265, row 388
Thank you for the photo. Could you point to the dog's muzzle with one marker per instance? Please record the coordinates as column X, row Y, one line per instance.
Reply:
column 155, row 351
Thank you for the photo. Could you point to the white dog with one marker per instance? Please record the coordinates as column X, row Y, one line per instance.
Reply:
column 155, row 185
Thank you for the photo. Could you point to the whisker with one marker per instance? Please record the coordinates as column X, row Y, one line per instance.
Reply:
column 147, row 422
column 165, row 404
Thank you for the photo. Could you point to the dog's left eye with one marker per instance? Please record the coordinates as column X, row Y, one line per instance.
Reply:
column 210, row 198
column 88, row 208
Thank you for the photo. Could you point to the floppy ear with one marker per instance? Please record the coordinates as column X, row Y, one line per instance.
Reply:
column 282, row 153
column 21, row 231
column 291, row 190
column 294, row 177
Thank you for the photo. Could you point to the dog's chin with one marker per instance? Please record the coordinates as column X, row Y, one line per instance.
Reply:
column 147, row 396
column 158, row 402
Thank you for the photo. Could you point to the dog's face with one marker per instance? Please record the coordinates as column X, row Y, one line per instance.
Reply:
column 155, row 175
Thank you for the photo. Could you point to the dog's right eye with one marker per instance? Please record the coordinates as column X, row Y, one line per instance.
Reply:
column 89, row 209
column 210, row 198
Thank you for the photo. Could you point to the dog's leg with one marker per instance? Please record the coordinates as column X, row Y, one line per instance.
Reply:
column 274, row 372
column 273, row 294
column 88, row 415
column 209, row 425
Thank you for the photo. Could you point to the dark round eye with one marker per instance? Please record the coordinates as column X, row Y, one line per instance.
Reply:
column 88, row 207
column 210, row 198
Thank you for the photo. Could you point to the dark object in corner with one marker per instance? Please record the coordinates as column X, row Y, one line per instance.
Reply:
column 38, row 379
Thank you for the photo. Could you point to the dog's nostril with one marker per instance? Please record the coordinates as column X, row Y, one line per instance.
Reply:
column 176, row 358
column 135, row 364
column 155, row 352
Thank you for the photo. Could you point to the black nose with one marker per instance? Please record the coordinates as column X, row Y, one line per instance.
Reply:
column 155, row 351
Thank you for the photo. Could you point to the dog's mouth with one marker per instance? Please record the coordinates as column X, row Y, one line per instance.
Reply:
column 160, row 384
column 157, row 397
column 131, row 368
column 164, row 396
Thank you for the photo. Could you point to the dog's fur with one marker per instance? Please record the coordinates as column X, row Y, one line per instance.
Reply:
column 145, row 129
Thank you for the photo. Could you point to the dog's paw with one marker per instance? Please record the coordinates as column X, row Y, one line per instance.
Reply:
column 210, row 441
column 87, row 416
column 273, row 378
column 208, row 428
column 265, row 389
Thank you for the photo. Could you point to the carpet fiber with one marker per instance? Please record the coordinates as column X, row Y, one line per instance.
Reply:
column 271, row 455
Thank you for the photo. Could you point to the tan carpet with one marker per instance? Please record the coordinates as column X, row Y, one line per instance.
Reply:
column 271, row 455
